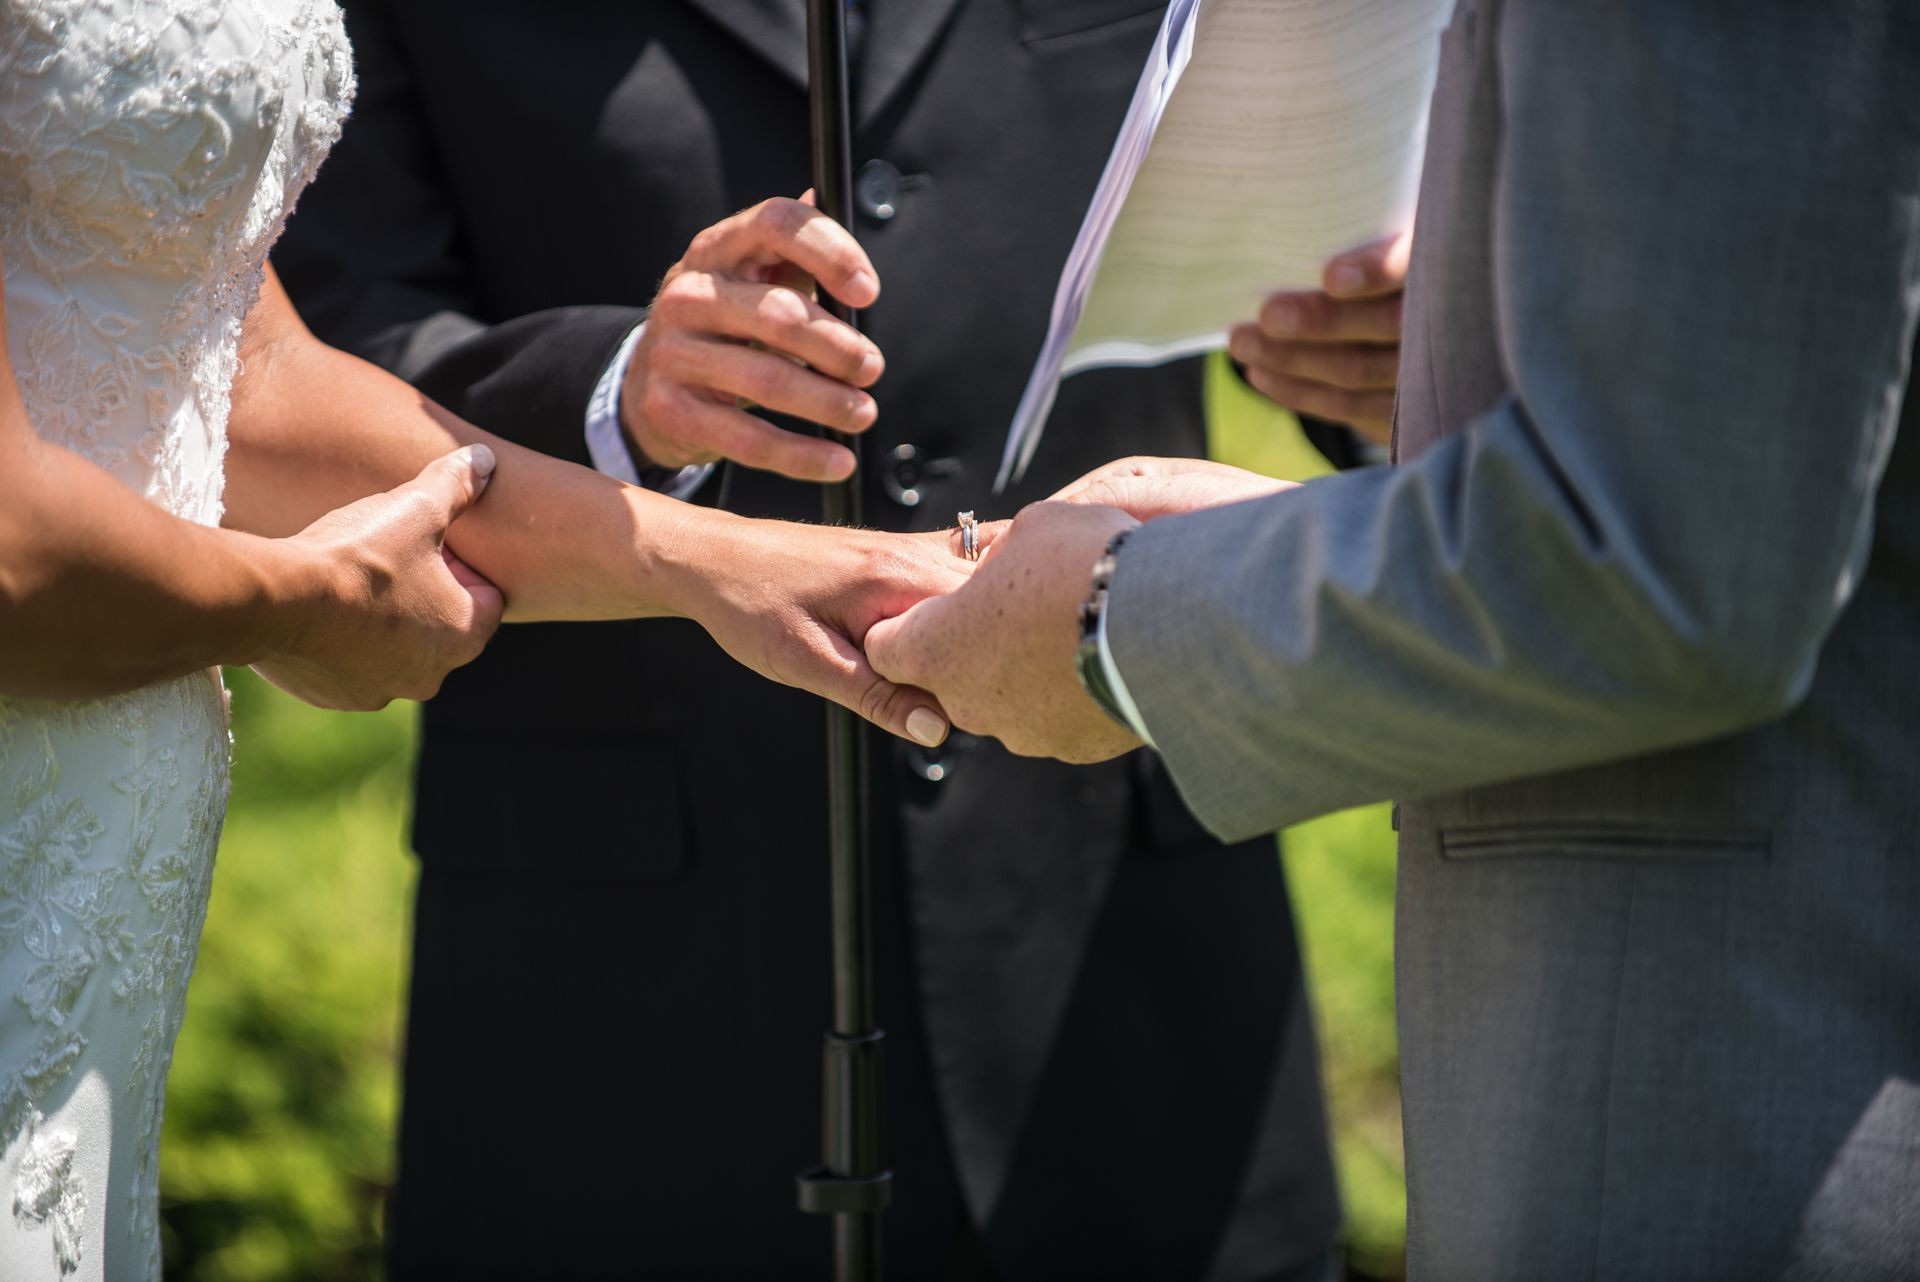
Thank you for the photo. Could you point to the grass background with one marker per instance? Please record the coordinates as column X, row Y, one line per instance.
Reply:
column 281, row 1108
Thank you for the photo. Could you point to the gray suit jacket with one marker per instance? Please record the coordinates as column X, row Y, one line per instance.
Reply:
column 1637, row 621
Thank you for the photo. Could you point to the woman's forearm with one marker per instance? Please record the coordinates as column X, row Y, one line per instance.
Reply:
column 101, row 591
column 314, row 428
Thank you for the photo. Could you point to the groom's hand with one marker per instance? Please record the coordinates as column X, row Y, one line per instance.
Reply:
column 999, row 651
column 1150, row 488
column 795, row 603
column 735, row 323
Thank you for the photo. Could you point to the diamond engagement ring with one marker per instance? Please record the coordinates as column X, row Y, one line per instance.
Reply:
column 969, row 537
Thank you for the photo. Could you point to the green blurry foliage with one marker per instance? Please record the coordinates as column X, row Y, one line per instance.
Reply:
column 1340, row 871
column 280, row 1112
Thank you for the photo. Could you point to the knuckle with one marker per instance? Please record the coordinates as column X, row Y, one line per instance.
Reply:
column 783, row 217
column 848, row 358
column 855, row 412
column 770, row 220
column 783, row 311
column 680, row 295
column 658, row 404
column 704, row 245
column 669, row 348
column 420, row 505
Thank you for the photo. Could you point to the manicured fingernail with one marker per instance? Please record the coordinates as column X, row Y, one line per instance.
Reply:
column 480, row 459
column 927, row 727
column 1280, row 319
column 1346, row 279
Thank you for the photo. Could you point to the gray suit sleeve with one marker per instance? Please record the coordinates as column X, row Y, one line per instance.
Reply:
column 1706, row 268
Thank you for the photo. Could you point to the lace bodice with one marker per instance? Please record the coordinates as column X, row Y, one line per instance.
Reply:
column 150, row 151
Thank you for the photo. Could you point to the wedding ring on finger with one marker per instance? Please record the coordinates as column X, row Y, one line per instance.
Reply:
column 969, row 537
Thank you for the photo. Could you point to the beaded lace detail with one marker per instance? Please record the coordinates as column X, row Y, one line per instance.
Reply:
column 150, row 152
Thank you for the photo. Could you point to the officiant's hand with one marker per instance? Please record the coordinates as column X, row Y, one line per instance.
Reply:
column 1149, row 488
column 1334, row 354
column 999, row 651
column 734, row 323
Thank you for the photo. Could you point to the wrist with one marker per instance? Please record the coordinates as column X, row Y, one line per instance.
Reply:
column 294, row 587
column 690, row 557
column 1091, row 659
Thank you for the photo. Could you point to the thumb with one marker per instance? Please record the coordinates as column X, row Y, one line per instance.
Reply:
column 905, row 711
column 1378, row 268
column 899, row 709
column 456, row 481
column 895, row 646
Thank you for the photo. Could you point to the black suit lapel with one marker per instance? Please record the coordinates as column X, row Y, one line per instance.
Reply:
column 774, row 29
column 899, row 34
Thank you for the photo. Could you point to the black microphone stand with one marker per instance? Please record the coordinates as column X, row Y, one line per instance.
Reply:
column 852, row 1183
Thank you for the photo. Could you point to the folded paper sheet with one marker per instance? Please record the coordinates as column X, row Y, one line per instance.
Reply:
column 1265, row 136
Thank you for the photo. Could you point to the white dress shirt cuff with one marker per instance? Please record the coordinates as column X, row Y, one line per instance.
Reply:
column 1122, row 698
column 606, row 439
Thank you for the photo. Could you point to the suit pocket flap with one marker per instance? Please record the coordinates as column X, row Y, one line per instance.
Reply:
column 1602, row 841
column 595, row 808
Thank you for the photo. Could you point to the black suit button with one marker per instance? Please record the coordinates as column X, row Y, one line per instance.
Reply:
column 876, row 189
column 908, row 473
column 936, row 764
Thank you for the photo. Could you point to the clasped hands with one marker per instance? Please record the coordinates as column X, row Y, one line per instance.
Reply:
column 901, row 628
column 989, row 646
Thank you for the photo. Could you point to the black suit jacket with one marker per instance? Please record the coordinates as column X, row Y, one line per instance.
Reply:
column 1101, row 1064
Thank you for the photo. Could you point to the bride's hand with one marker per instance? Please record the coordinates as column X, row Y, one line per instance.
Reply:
column 1149, row 488
column 391, row 611
column 794, row 603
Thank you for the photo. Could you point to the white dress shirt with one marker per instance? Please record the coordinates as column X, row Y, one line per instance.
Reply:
column 606, row 439
column 1117, row 686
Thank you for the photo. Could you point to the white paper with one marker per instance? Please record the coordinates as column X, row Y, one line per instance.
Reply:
column 1265, row 137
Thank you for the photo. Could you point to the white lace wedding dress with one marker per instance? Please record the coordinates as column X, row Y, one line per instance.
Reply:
column 149, row 153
